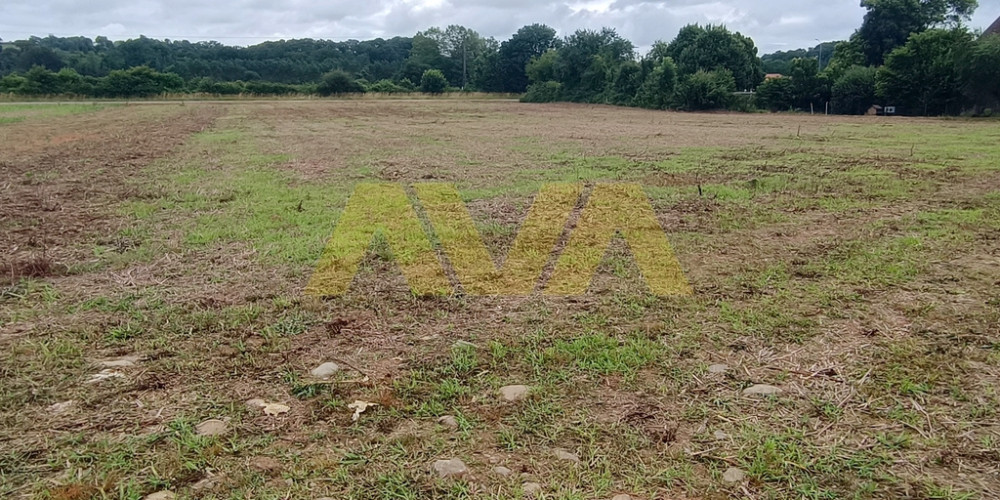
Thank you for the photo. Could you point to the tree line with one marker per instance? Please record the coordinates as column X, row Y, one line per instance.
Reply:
column 913, row 54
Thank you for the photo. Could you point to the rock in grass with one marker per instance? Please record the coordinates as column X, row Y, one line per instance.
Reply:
column 720, row 435
column 514, row 392
column 325, row 370
column 62, row 407
column 531, row 489
column 160, row 495
column 450, row 468
column 266, row 465
column 255, row 403
column 502, row 471
column 761, row 390
column 448, row 421
column 562, row 454
column 622, row 496
column 121, row 362
column 733, row 475
column 718, row 368
column 212, row 427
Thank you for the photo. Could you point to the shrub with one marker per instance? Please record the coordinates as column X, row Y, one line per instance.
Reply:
column 705, row 90
column 386, row 87
column 433, row 82
column 658, row 88
column 854, row 92
column 775, row 94
column 337, row 82
column 543, row 92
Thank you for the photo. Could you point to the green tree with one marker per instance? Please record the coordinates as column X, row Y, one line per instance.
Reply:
column 40, row 81
column 548, row 91
column 586, row 60
column 716, row 48
column 776, row 94
column 514, row 55
column 809, row 88
column 433, row 82
column 845, row 56
column 141, row 81
column 338, row 82
column 626, row 84
column 425, row 55
column 854, row 92
column 922, row 77
column 980, row 70
column 386, row 87
column 888, row 24
column 460, row 48
column 543, row 68
column 705, row 90
column 657, row 89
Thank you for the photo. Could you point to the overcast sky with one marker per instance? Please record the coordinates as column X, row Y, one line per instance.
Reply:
column 773, row 24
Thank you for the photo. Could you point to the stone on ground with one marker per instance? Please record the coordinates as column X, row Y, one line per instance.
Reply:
column 450, row 468
column 733, row 475
column 720, row 435
column 212, row 427
column 255, row 403
column 622, row 496
column 160, row 495
column 62, row 407
column 502, row 471
column 448, row 421
column 514, row 392
column 325, row 370
column 122, row 362
column 265, row 464
column 562, row 454
column 719, row 368
column 532, row 489
column 761, row 390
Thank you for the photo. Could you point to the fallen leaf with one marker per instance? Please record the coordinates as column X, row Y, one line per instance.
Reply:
column 359, row 408
column 273, row 409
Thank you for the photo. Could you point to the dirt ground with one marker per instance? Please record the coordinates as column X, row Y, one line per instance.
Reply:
column 841, row 340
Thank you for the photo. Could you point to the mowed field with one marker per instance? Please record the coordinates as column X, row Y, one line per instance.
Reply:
column 153, row 260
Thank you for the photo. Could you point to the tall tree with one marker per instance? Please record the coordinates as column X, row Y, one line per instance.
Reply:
column 460, row 47
column 529, row 42
column 980, row 70
column 587, row 59
column 889, row 23
column 715, row 48
column 922, row 76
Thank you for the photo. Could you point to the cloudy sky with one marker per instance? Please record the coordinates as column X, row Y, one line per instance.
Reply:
column 773, row 24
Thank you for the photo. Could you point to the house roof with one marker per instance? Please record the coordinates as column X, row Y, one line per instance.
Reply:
column 994, row 28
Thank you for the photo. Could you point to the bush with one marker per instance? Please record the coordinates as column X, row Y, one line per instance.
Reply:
column 854, row 92
column 270, row 88
column 775, row 94
column 705, row 90
column 433, row 82
column 140, row 81
column 543, row 92
column 338, row 82
column 386, row 87
column 658, row 88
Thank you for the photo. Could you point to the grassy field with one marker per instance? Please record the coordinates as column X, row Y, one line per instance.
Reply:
column 154, row 260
